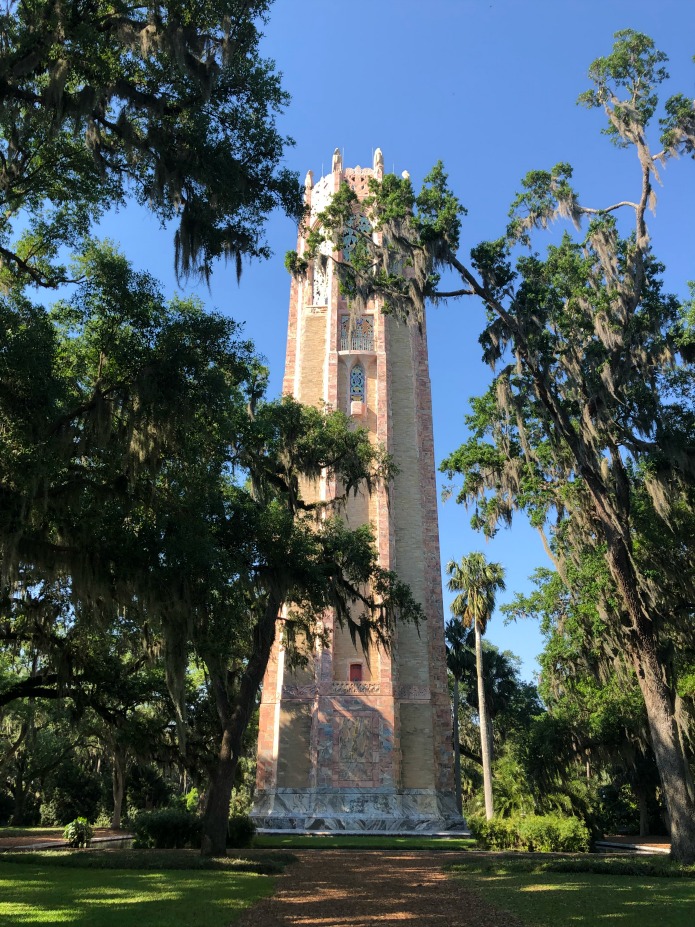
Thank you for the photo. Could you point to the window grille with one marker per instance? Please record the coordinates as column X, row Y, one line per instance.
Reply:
column 357, row 334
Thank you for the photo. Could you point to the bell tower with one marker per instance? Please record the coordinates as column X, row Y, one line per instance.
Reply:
column 353, row 744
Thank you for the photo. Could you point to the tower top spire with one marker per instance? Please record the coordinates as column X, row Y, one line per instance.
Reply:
column 378, row 164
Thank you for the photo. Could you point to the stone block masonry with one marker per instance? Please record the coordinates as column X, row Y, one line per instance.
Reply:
column 362, row 743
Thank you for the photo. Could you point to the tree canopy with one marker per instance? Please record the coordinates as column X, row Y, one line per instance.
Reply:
column 170, row 103
column 588, row 424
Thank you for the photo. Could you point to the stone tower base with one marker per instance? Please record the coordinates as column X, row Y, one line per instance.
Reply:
column 357, row 811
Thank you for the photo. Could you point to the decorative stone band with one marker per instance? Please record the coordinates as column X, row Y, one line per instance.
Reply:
column 404, row 692
column 290, row 691
column 413, row 692
column 358, row 810
column 356, row 688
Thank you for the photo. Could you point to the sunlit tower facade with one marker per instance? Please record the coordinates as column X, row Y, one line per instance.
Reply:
column 351, row 742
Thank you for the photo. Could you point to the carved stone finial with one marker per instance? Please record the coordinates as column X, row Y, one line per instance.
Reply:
column 406, row 175
column 337, row 164
column 308, row 186
column 378, row 161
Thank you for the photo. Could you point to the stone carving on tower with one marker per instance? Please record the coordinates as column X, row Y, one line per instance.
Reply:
column 359, row 742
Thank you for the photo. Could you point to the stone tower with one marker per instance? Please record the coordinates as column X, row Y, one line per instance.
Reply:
column 350, row 744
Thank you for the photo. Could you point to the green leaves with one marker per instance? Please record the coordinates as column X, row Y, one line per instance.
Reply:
column 477, row 583
column 397, row 241
column 173, row 105
column 678, row 135
column 625, row 85
column 438, row 211
column 546, row 196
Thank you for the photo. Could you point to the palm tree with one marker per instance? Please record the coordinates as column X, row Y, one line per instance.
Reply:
column 457, row 654
column 477, row 582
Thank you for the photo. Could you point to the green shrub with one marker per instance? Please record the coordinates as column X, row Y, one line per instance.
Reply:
column 553, row 833
column 167, row 829
column 549, row 833
column 193, row 800
column 50, row 816
column 78, row 833
column 240, row 831
column 131, row 813
column 496, row 834
column 103, row 818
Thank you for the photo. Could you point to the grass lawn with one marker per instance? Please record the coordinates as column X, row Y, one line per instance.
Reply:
column 316, row 842
column 541, row 897
column 39, row 892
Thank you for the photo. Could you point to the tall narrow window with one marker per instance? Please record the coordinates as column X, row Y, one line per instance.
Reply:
column 355, row 672
column 357, row 383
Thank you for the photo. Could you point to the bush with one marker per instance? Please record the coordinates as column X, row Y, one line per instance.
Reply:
column 240, row 831
column 130, row 816
column 167, row 829
column 549, row 833
column 496, row 834
column 103, row 819
column 49, row 814
column 78, row 833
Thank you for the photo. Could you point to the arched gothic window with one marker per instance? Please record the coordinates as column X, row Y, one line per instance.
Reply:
column 357, row 383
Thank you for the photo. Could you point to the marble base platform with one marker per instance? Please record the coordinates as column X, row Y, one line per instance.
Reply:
column 357, row 811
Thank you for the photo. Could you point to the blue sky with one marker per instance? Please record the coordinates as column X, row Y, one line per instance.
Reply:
column 489, row 88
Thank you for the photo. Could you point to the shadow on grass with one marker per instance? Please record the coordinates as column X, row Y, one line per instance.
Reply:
column 547, row 894
column 32, row 893
column 263, row 862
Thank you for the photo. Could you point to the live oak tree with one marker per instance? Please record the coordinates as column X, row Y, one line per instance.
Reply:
column 170, row 103
column 590, row 690
column 130, row 428
column 146, row 483
column 117, row 412
column 298, row 554
column 96, row 672
column 589, row 423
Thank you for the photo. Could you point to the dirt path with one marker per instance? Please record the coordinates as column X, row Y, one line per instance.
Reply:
column 342, row 888
column 48, row 838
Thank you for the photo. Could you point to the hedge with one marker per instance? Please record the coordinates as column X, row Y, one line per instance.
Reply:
column 549, row 833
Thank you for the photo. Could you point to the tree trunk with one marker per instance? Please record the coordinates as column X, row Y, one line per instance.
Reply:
column 641, row 647
column 669, row 758
column 640, row 794
column 484, row 731
column 490, row 738
column 19, row 810
column 214, row 841
column 118, row 779
column 457, row 749
column 234, row 719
